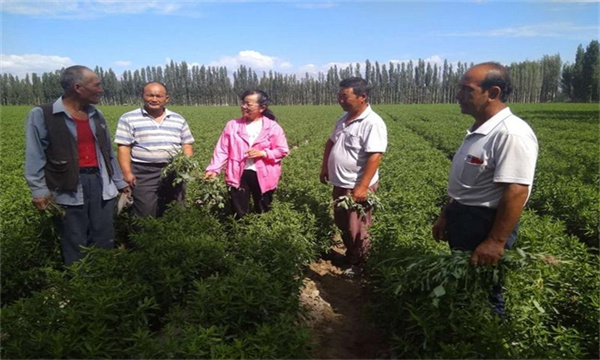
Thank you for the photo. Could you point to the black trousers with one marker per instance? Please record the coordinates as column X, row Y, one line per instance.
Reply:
column 469, row 226
column 240, row 197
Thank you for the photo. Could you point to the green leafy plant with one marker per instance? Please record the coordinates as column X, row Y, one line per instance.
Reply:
column 181, row 169
column 212, row 194
column 347, row 202
column 53, row 208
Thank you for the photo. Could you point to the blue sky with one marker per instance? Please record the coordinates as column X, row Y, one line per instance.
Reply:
column 286, row 36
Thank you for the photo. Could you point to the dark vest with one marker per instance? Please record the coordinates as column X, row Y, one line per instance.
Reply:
column 62, row 158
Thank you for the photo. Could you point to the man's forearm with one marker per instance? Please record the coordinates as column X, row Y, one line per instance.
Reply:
column 124, row 157
column 509, row 211
column 187, row 149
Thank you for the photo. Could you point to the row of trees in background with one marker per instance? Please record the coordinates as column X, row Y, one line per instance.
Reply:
column 544, row 80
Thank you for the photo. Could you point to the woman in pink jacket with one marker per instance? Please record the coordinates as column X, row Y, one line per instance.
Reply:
column 251, row 149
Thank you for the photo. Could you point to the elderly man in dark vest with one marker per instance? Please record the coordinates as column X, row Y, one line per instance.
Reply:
column 69, row 161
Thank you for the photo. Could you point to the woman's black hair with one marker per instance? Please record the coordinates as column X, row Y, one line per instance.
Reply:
column 263, row 99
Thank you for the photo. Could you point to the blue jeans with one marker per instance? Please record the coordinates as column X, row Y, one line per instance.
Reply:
column 90, row 224
column 469, row 226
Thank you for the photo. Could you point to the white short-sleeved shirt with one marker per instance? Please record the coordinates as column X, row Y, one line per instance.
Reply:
column 151, row 141
column 352, row 144
column 504, row 149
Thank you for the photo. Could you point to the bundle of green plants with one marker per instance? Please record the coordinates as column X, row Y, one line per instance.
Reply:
column 347, row 202
column 181, row 169
column 437, row 306
column 210, row 194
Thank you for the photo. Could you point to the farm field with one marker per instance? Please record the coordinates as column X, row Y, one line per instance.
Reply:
column 196, row 284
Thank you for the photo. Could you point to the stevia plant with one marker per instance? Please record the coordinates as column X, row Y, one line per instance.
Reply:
column 181, row 169
column 347, row 202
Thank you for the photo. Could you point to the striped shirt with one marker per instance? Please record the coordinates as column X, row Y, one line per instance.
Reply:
column 150, row 141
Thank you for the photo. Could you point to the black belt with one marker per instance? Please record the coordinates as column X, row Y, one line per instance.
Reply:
column 89, row 170
column 156, row 165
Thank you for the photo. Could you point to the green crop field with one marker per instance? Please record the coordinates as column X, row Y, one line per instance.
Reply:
column 196, row 284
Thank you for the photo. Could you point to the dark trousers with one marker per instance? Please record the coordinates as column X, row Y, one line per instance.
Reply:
column 90, row 224
column 469, row 226
column 240, row 197
column 354, row 227
column 152, row 194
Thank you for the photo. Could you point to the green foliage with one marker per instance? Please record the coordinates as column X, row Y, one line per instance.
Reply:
column 199, row 284
column 181, row 169
column 211, row 194
column 77, row 318
column 347, row 202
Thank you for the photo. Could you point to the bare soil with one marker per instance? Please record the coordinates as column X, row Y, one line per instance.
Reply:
column 336, row 312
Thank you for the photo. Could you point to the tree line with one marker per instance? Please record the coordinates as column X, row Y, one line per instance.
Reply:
column 544, row 80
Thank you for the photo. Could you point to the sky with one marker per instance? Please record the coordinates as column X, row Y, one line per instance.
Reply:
column 295, row 37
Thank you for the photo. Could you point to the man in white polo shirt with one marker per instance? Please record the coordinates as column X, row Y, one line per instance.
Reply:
column 350, row 163
column 148, row 138
column 491, row 174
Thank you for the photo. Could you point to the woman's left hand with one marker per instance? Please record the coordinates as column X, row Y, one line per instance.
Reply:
column 255, row 153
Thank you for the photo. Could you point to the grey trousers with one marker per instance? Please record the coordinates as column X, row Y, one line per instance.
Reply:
column 90, row 224
column 152, row 194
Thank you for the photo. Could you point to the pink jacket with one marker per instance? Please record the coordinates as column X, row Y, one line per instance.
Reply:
column 232, row 144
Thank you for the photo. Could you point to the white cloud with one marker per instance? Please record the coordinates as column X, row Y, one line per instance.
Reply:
column 286, row 65
column 317, row 5
column 254, row 60
column 122, row 63
column 562, row 30
column 32, row 63
column 96, row 8
column 39, row 8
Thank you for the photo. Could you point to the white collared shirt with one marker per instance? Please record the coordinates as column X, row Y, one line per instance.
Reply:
column 504, row 149
column 352, row 144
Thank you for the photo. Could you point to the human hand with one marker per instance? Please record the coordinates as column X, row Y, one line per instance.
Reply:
column 324, row 176
column 359, row 193
column 255, row 153
column 210, row 175
column 488, row 252
column 439, row 228
column 130, row 179
column 41, row 203
column 125, row 190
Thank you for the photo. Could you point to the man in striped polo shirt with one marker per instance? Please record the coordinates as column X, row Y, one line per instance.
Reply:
column 148, row 139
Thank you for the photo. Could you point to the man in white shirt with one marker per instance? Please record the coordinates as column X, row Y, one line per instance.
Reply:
column 491, row 174
column 350, row 163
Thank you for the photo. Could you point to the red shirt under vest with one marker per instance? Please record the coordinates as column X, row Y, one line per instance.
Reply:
column 86, row 144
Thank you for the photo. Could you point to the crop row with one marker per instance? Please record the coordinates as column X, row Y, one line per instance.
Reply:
column 433, row 304
column 196, row 284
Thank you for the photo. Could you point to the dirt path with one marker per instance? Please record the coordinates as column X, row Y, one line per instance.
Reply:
column 337, row 314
